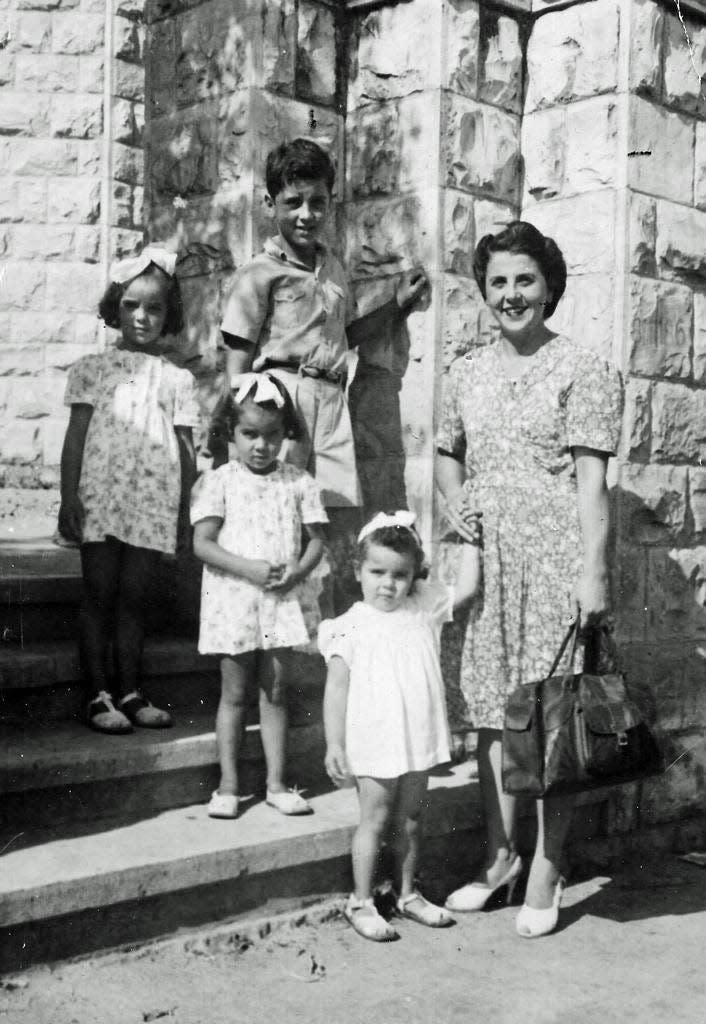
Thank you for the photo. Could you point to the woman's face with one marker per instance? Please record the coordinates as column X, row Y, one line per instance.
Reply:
column 517, row 292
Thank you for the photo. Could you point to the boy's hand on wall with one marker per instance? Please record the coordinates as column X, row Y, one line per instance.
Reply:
column 412, row 288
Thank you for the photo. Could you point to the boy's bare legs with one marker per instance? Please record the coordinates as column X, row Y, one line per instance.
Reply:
column 236, row 673
column 499, row 809
column 274, row 716
column 376, row 798
column 409, row 804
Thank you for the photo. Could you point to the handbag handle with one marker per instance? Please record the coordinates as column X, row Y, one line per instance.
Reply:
column 573, row 632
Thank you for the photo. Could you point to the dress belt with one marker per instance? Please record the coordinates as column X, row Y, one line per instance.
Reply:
column 317, row 372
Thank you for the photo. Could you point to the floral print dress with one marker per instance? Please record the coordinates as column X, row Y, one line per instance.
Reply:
column 516, row 438
column 262, row 517
column 130, row 483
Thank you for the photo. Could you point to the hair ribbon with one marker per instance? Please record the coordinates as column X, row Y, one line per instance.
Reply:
column 131, row 267
column 263, row 387
column 402, row 519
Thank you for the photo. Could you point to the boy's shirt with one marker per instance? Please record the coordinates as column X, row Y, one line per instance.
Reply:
column 291, row 313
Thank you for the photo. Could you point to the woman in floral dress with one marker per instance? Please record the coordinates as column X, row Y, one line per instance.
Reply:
column 527, row 427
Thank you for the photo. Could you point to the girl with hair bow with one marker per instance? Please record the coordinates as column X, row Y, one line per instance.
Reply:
column 385, row 710
column 259, row 595
column 126, row 466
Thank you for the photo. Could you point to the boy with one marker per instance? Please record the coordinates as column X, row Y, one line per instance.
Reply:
column 288, row 313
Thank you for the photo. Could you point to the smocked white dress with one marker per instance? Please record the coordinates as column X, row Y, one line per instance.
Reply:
column 396, row 713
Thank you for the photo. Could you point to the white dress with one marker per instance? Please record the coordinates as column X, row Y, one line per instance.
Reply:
column 130, row 473
column 396, row 711
column 262, row 518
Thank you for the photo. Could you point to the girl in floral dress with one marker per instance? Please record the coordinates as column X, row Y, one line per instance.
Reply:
column 527, row 427
column 128, row 441
column 259, row 598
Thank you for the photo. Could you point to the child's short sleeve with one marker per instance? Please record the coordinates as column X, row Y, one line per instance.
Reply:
column 247, row 305
column 208, row 496
column 434, row 598
column 310, row 503
column 82, row 381
column 451, row 434
column 594, row 406
column 335, row 639
column 186, row 405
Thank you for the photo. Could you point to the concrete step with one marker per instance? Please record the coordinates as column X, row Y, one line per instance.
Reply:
column 69, row 774
column 70, row 890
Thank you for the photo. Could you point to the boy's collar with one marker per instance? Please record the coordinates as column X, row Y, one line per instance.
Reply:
column 278, row 248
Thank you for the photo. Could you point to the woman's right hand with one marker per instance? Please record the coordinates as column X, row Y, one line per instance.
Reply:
column 464, row 520
column 336, row 764
column 71, row 516
column 263, row 573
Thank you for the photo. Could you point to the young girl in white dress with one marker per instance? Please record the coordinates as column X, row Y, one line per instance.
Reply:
column 126, row 467
column 384, row 710
column 258, row 597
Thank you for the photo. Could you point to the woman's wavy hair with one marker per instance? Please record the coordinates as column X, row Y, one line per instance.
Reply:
column 109, row 305
column 521, row 237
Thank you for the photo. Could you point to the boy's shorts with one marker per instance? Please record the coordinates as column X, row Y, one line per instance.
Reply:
column 326, row 449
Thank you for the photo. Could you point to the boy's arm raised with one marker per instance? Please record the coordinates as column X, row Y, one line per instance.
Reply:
column 411, row 288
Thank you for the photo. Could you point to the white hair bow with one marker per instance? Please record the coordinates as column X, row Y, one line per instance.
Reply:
column 263, row 387
column 131, row 267
column 402, row 519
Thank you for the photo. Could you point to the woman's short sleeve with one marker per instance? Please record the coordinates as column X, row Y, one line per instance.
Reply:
column 311, row 505
column 81, row 382
column 335, row 639
column 208, row 496
column 186, row 405
column 594, row 406
column 451, row 435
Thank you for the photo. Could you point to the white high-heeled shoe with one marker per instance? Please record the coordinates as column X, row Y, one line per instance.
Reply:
column 475, row 895
column 532, row 923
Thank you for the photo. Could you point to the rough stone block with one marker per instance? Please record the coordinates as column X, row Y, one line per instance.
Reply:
column 22, row 286
column 680, row 241
column 74, row 199
column 45, row 73
column 125, row 242
column 651, row 503
column 87, row 243
column 7, row 68
column 20, row 362
column 90, row 331
column 491, row 217
column 129, row 81
column 90, row 74
column 646, row 45
column 77, row 117
column 570, row 149
column 700, row 166
column 637, row 419
column 73, row 286
column 697, row 498
column 128, row 164
column 30, row 400
column 700, row 337
column 582, row 226
column 89, row 157
column 184, row 154
column 586, row 313
column 46, row 5
column 277, row 35
column 36, row 329
column 33, row 31
column 20, row 444
column 459, row 233
column 51, row 437
column 662, row 146
column 123, row 122
column 462, row 47
column 42, row 241
column 212, row 234
column 398, row 53
column 160, row 66
column 630, row 592
column 501, row 61
column 138, row 207
column 642, row 237
column 23, row 113
column 480, row 148
column 316, row 54
column 678, row 423
column 77, row 33
column 684, row 65
column 121, row 206
column 661, row 318
column 23, row 199
column 467, row 321
column 673, row 582
column 214, row 51
column 128, row 40
column 388, row 236
column 572, row 54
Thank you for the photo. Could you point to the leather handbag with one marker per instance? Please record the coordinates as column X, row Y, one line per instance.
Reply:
column 575, row 732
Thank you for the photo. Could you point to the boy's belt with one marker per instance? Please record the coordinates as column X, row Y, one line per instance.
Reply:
column 317, row 372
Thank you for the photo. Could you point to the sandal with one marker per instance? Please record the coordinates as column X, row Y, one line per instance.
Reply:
column 142, row 713
column 289, row 802
column 223, row 805
column 103, row 716
column 416, row 908
column 364, row 918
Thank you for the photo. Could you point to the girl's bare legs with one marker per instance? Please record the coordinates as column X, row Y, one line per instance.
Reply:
column 137, row 568
column 274, row 716
column 377, row 799
column 230, row 719
column 499, row 809
column 100, row 568
column 409, row 804
column 553, row 821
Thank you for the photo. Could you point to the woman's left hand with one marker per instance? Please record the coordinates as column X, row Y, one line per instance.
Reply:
column 590, row 598
column 289, row 578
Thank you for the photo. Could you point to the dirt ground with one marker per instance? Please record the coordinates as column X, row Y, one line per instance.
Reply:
column 630, row 946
